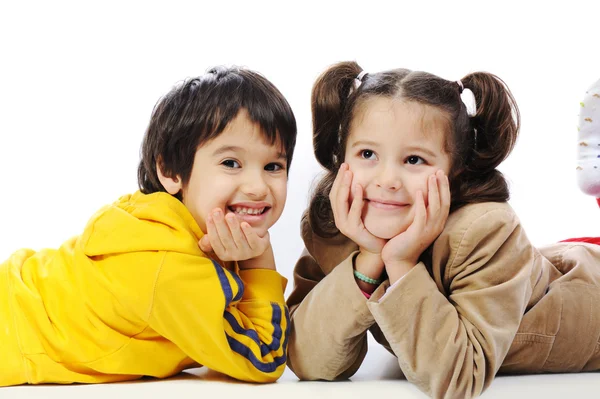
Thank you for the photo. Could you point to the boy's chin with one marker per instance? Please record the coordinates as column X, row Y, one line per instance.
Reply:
column 261, row 231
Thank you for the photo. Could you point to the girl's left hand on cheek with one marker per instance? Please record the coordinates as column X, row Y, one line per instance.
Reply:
column 231, row 240
column 402, row 252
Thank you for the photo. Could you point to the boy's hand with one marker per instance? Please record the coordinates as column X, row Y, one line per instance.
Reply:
column 402, row 252
column 348, row 219
column 231, row 240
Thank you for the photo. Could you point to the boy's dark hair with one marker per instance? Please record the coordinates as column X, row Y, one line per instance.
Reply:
column 199, row 109
column 476, row 144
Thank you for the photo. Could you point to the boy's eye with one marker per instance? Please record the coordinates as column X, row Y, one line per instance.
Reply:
column 368, row 154
column 414, row 160
column 230, row 163
column 274, row 167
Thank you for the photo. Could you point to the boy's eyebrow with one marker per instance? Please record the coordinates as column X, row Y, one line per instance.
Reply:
column 228, row 148
column 235, row 148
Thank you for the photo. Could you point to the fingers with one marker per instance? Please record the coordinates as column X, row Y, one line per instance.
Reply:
column 355, row 213
column 420, row 218
column 336, row 189
column 343, row 196
column 433, row 195
column 336, row 183
column 231, row 240
column 439, row 195
column 255, row 242
column 238, row 236
column 445, row 197
column 213, row 236
column 204, row 244
column 222, row 229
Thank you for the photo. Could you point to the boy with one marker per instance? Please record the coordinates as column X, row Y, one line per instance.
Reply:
column 134, row 295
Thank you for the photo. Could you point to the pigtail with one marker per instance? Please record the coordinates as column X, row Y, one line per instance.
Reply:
column 329, row 103
column 493, row 132
column 329, row 98
column 496, row 121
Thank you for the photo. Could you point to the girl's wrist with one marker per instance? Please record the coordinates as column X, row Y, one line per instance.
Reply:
column 398, row 269
column 368, row 268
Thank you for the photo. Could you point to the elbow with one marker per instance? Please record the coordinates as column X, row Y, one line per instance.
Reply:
column 263, row 377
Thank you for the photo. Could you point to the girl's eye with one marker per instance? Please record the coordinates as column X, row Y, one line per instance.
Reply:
column 415, row 160
column 274, row 167
column 230, row 163
column 368, row 154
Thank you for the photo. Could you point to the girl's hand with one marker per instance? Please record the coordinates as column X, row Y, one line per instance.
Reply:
column 231, row 240
column 348, row 219
column 402, row 252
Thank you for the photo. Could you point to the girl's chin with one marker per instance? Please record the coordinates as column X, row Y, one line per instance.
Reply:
column 383, row 232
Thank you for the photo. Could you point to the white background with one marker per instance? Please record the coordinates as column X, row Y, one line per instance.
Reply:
column 78, row 81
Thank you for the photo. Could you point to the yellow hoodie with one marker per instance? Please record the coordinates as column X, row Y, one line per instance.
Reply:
column 134, row 296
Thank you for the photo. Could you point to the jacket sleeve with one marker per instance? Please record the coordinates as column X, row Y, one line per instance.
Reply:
column 450, row 341
column 330, row 316
column 237, row 325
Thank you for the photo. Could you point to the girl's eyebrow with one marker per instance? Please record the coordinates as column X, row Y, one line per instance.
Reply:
column 367, row 143
column 422, row 149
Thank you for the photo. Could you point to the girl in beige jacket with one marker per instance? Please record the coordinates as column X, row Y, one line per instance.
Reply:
column 409, row 235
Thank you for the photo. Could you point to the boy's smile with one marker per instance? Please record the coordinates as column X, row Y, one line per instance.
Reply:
column 251, row 212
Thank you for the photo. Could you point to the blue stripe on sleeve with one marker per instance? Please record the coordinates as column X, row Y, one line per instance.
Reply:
column 245, row 351
column 227, row 290
column 240, row 285
column 277, row 331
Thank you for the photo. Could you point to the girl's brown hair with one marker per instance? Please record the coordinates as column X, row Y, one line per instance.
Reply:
column 476, row 144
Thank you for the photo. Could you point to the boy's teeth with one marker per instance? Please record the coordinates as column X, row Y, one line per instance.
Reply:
column 248, row 211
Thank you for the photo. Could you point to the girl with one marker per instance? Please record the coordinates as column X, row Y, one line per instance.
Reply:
column 409, row 235
column 134, row 295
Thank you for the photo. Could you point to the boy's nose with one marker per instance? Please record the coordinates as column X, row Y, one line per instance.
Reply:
column 255, row 187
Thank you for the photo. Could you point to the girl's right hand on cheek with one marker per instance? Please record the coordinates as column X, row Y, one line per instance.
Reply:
column 348, row 217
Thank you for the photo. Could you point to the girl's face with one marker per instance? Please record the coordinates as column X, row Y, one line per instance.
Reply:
column 393, row 147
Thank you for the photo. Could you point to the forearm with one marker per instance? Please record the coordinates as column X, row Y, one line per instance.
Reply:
column 328, row 338
column 463, row 352
column 242, row 328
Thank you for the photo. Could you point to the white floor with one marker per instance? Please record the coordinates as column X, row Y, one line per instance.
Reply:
column 377, row 378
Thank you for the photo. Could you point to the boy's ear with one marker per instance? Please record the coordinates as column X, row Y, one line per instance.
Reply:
column 171, row 184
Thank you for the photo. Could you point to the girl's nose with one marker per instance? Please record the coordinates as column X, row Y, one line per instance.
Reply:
column 389, row 179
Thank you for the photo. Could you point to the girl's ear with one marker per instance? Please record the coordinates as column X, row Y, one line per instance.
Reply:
column 171, row 184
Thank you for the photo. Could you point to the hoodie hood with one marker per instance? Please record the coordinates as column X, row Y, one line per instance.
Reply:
column 142, row 222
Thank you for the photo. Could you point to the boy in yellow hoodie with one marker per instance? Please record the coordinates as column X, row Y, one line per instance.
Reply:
column 179, row 274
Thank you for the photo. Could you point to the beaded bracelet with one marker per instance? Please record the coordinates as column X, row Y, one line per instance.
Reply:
column 366, row 279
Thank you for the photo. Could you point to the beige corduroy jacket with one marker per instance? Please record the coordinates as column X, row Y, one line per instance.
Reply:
column 482, row 300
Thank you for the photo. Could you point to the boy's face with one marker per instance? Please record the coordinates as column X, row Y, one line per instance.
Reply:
column 240, row 173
